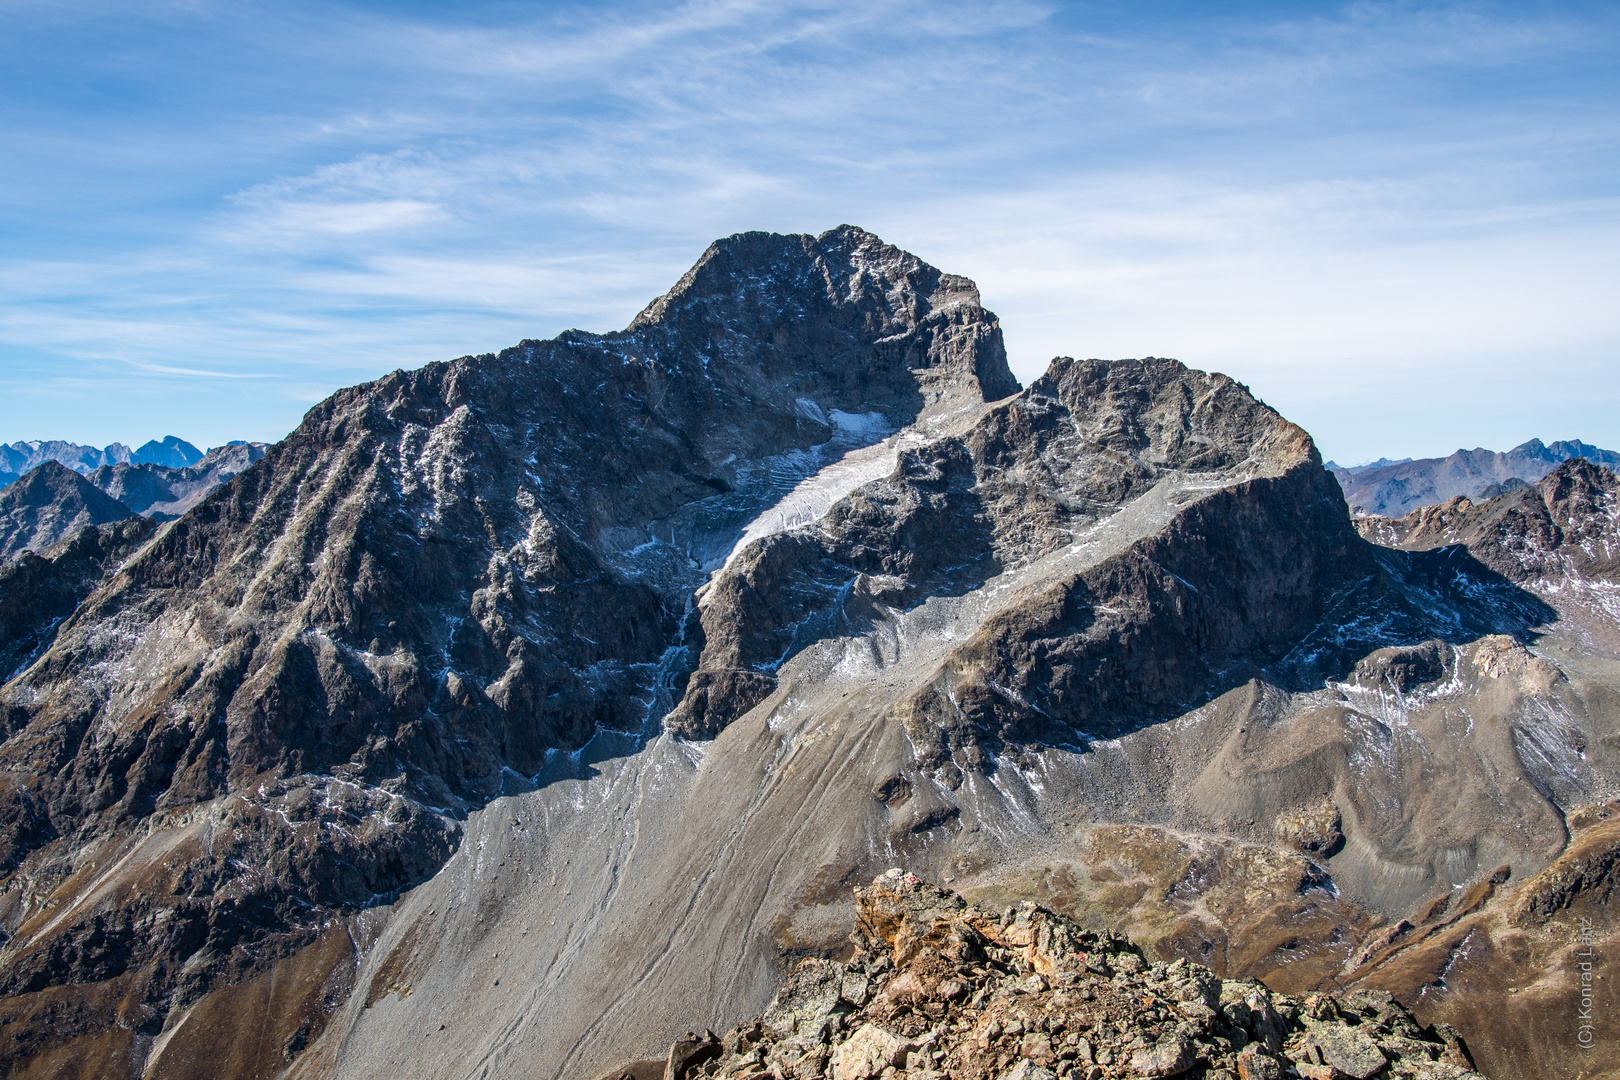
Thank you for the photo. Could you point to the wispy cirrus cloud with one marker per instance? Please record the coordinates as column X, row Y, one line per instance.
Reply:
column 1326, row 200
column 163, row 369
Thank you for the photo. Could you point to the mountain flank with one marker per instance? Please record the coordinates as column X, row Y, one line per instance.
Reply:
column 517, row 714
column 40, row 589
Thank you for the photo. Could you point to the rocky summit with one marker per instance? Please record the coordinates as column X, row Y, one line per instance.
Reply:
column 938, row 988
column 49, row 504
column 517, row 714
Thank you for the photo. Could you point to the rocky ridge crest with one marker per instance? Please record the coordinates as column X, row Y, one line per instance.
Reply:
column 939, row 988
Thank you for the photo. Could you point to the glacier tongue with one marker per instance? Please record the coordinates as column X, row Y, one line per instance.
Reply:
column 813, row 496
column 876, row 449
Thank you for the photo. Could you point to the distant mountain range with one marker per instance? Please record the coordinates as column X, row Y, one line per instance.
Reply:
column 53, row 499
column 19, row 457
column 1391, row 488
column 164, row 493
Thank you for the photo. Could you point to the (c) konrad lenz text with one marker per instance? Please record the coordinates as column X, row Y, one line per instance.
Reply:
column 1585, row 969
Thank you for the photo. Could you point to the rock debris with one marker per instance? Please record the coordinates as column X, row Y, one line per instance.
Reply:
column 939, row 989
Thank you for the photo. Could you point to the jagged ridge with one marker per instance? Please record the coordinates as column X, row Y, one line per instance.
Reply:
column 939, row 988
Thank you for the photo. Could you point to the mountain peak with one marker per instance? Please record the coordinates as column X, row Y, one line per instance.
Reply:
column 844, row 269
column 514, row 704
column 172, row 452
column 48, row 503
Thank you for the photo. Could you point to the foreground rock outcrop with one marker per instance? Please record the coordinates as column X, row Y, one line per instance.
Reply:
column 938, row 988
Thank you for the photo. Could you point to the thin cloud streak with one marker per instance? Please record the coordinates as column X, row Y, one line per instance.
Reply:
column 194, row 372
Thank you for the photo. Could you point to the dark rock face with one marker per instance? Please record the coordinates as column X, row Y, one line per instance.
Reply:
column 434, row 583
column 346, row 620
column 891, row 543
column 1404, row 669
column 715, row 698
column 39, row 591
column 47, row 505
column 1140, row 636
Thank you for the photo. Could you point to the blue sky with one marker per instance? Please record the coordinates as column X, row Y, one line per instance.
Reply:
column 1397, row 222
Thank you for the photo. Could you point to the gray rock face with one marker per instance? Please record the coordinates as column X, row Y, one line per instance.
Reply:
column 339, row 571
column 47, row 505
